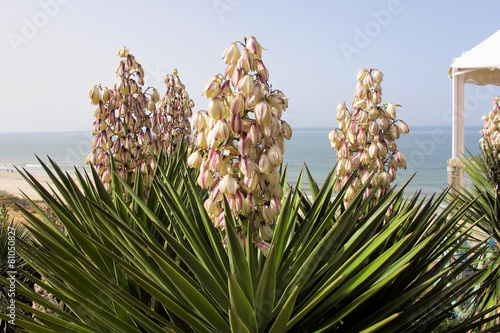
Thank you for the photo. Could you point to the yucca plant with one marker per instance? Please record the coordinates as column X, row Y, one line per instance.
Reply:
column 483, row 170
column 158, row 264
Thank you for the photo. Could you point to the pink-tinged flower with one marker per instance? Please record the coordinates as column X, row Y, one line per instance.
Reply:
column 363, row 118
column 245, row 62
column 403, row 127
column 344, row 149
column 265, row 165
column 123, row 52
column 244, row 146
column 376, row 97
column 361, row 137
column 262, row 114
column 238, row 200
column 360, row 75
column 253, row 134
column 392, row 173
column 350, row 194
column 251, row 181
column 275, row 156
column 394, row 130
column 261, row 69
column 360, row 104
column 236, row 77
column 265, row 231
column 212, row 88
column 341, row 108
column 236, row 124
column 238, row 105
column 360, row 92
column 377, row 75
column 384, row 123
column 246, row 85
column 263, row 247
column 273, row 178
column 368, row 80
column 401, row 159
column 95, row 95
column 231, row 54
column 286, row 130
column 248, row 204
column 211, row 208
column 221, row 131
column 228, row 185
column 390, row 111
column 373, row 151
column 255, row 96
column 200, row 140
column 253, row 46
column 205, row 178
column 198, row 121
column 215, row 108
column 373, row 127
column 195, row 160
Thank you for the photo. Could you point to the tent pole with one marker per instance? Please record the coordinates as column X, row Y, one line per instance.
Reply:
column 455, row 173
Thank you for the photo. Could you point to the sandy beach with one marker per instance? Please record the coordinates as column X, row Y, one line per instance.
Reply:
column 12, row 183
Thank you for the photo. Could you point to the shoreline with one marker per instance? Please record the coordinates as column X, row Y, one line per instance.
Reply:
column 12, row 183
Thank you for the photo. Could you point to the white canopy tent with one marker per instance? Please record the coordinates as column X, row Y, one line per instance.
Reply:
column 481, row 66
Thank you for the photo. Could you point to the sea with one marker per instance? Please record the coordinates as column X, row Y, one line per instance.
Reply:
column 427, row 150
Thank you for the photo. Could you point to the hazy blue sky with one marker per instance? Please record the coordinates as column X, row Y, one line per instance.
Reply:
column 54, row 51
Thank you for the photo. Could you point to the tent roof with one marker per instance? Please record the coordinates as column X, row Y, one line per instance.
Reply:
column 480, row 65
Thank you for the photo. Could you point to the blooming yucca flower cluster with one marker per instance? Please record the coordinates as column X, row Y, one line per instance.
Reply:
column 131, row 127
column 490, row 142
column 172, row 120
column 241, row 141
column 491, row 128
column 366, row 138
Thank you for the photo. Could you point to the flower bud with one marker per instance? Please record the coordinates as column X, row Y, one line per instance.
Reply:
column 205, row 178
column 361, row 75
column 251, row 181
column 246, row 85
column 373, row 150
column 349, row 194
column 231, row 54
column 253, row 134
column 262, row 114
column 228, row 185
column 275, row 156
column 195, row 159
column 263, row 247
column 403, row 127
column 265, row 165
column 394, row 130
column 215, row 109
column 341, row 108
column 123, row 52
column 360, row 104
column 384, row 123
column 377, row 75
column 253, row 46
column 212, row 88
column 390, row 111
column 286, row 130
column 95, row 95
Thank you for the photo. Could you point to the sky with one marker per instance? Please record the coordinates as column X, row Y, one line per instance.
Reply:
column 54, row 51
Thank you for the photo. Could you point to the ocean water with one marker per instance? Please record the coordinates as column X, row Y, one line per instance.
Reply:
column 427, row 150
